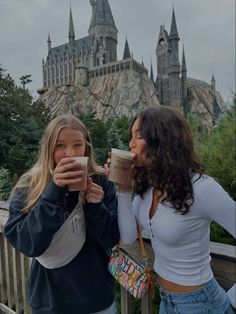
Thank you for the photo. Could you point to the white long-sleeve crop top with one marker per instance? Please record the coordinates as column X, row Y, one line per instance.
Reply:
column 180, row 242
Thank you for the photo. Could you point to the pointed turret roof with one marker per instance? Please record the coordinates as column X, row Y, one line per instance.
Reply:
column 71, row 27
column 49, row 42
column 102, row 14
column 151, row 73
column 126, row 54
column 173, row 28
column 184, row 67
column 49, row 38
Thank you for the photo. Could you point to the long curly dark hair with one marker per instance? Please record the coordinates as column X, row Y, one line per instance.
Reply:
column 172, row 160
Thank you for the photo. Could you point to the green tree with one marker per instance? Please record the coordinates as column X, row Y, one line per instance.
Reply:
column 217, row 150
column 21, row 125
column 98, row 131
column 114, row 138
column 5, row 184
column 106, row 134
column 123, row 126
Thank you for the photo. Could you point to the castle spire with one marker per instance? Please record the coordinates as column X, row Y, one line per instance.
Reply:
column 174, row 41
column 151, row 73
column 173, row 28
column 213, row 82
column 126, row 54
column 102, row 14
column 183, row 67
column 49, row 42
column 71, row 28
column 184, row 94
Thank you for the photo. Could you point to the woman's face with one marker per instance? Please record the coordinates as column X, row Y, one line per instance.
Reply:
column 70, row 143
column 138, row 145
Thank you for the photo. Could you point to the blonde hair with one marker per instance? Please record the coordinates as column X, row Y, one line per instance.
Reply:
column 38, row 177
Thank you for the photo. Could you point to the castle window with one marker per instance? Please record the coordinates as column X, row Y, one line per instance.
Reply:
column 127, row 65
column 104, row 58
column 161, row 41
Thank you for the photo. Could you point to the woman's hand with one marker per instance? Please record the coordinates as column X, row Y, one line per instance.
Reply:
column 94, row 192
column 65, row 172
column 121, row 188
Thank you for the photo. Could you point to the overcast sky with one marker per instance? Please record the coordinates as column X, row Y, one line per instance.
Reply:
column 206, row 28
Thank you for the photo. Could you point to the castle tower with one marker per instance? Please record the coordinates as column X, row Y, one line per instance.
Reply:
column 174, row 65
column 213, row 83
column 81, row 75
column 184, row 83
column 163, row 60
column 103, row 29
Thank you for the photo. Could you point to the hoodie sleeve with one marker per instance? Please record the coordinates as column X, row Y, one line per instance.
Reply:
column 102, row 218
column 31, row 233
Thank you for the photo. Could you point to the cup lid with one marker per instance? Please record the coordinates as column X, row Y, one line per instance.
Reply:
column 123, row 152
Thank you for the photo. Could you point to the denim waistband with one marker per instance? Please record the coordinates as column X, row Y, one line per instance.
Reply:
column 201, row 293
column 210, row 298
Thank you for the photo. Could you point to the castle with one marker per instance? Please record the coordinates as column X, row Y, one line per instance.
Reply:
column 99, row 48
column 80, row 60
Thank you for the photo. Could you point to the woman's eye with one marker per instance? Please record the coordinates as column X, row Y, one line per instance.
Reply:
column 139, row 136
column 59, row 145
column 78, row 145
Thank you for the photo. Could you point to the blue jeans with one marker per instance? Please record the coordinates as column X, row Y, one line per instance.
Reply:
column 210, row 298
column 110, row 310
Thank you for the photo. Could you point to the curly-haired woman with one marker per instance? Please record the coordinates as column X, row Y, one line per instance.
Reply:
column 175, row 203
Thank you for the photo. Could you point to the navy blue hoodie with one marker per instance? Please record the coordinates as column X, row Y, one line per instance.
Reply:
column 84, row 285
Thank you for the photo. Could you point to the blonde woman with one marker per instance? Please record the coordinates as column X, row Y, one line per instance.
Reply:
column 66, row 232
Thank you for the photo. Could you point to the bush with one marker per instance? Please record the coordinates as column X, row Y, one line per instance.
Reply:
column 5, row 184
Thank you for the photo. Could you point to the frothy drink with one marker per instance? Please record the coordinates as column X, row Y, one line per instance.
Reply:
column 82, row 185
column 120, row 166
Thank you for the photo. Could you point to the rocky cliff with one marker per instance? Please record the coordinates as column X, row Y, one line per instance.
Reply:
column 205, row 102
column 125, row 93
column 109, row 96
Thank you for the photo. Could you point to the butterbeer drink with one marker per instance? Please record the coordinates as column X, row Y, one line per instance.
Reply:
column 120, row 166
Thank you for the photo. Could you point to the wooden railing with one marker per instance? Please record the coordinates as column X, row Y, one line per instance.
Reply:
column 14, row 270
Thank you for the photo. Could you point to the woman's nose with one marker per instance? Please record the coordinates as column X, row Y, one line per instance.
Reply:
column 69, row 152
